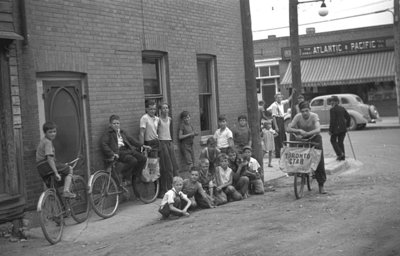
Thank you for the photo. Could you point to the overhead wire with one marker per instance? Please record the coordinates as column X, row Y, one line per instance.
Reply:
column 324, row 21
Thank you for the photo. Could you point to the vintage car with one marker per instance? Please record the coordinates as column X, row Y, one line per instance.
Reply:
column 360, row 113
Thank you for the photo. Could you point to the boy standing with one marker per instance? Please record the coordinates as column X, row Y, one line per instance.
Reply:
column 339, row 122
column 186, row 135
column 241, row 134
column 148, row 128
column 46, row 160
column 223, row 135
column 278, row 113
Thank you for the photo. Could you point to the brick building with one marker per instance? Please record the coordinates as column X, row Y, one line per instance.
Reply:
column 81, row 61
column 359, row 61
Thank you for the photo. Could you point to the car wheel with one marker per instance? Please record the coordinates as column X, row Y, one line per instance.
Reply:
column 353, row 123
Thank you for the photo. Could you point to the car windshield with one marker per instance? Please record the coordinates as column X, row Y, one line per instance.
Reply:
column 359, row 99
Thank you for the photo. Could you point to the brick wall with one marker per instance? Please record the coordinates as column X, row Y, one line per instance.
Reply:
column 104, row 40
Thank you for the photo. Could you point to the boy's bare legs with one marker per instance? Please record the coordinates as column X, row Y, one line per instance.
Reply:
column 67, row 185
column 269, row 158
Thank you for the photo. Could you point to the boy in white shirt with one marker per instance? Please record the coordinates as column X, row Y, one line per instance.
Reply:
column 172, row 200
column 254, row 172
column 223, row 135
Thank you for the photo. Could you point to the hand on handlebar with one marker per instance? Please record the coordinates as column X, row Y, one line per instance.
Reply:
column 58, row 177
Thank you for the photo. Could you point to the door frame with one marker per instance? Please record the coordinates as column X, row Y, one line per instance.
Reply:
column 65, row 76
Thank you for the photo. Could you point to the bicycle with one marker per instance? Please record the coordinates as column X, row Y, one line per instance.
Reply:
column 106, row 186
column 53, row 208
column 296, row 160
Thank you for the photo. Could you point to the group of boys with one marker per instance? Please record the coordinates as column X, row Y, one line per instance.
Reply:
column 226, row 172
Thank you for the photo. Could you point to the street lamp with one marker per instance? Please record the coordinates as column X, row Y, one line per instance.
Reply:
column 294, row 44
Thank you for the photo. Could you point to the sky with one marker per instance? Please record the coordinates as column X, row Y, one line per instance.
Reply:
column 271, row 17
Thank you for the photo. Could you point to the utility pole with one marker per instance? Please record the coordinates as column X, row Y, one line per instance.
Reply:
column 396, row 32
column 294, row 51
column 250, row 80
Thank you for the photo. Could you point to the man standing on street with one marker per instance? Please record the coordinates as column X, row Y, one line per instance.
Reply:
column 339, row 122
column 278, row 113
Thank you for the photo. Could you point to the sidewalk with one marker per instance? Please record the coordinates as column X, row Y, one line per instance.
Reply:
column 386, row 122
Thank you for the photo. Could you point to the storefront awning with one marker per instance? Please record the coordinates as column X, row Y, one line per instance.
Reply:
column 343, row 70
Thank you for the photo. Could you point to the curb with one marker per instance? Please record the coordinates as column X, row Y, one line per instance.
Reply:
column 335, row 166
column 331, row 166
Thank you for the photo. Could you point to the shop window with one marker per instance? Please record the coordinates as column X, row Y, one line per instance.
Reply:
column 264, row 71
column 207, row 90
column 154, row 76
column 274, row 70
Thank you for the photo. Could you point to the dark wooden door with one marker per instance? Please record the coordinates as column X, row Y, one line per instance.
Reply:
column 63, row 105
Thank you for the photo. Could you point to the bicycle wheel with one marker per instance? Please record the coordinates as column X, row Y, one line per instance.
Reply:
column 79, row 205
column 299, row 182
column 51, row 216
column 104, row 196
column 147, row 192
column 310, row 181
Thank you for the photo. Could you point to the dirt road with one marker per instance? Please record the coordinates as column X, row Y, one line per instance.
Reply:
column 359, row 216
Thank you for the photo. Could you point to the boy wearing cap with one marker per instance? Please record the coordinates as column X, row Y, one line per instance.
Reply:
column 253, row 171
column 339, row 122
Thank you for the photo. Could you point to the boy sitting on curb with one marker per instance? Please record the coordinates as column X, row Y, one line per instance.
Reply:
column 172, row 200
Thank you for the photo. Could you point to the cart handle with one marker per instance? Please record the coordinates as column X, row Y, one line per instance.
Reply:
column 301, row 143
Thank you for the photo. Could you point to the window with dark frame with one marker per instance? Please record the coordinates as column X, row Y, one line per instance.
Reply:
column 206, row 83
column 154, row 76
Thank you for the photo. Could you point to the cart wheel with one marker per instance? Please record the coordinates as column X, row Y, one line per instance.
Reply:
column 299, row 182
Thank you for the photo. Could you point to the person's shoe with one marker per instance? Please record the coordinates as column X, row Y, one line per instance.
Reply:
column 342, row 158
column 68, row 194
column 270, row 165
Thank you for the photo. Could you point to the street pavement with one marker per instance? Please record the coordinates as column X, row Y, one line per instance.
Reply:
column 133, row 214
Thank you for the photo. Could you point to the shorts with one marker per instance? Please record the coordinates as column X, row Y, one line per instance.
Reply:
column 46, row 172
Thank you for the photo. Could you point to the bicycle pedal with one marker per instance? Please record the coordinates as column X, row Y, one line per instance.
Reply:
column 124, row 189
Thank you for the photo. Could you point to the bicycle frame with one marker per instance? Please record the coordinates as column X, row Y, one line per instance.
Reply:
column 109, row 174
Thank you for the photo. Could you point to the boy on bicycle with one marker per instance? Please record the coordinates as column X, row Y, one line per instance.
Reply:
column 46, row 160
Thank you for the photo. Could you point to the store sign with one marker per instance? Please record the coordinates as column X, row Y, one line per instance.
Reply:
column 342, row 48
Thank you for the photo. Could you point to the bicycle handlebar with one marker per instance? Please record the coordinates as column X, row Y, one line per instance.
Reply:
column 74, row 162
column 301, row 143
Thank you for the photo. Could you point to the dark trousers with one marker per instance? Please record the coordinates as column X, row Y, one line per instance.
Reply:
column 281, row 136
column 168, row 165
column 155, row 147
column 320, row 174
column 133, row 161
column 337, row 143
column 178, row 203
